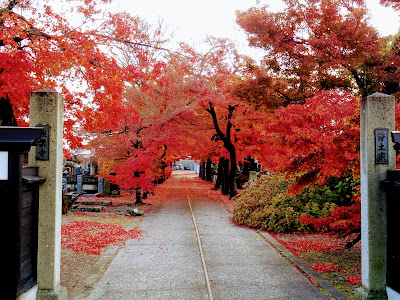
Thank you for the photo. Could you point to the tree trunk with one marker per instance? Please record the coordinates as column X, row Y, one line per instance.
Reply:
column 138, row 196
column 203, row 170
column 228, row 145
column 232, row 172
column 225, row 177
column 246, row 167
column 7, row 113
column 219, row 175
column 138, row 191
column 208, row 170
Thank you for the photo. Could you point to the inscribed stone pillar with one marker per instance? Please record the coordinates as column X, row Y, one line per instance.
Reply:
column 46, row 108
column 377, row 156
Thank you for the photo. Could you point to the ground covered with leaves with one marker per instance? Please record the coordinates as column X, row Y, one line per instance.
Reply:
column 86, row 235
column 270, row 204
column 326, row 254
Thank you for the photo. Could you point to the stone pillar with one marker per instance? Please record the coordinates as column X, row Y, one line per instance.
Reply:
column 64, row 183
column 253, row 176
column 79, row 183
column 106, row 188
column 100, row 185
column 46, row 108
column 377, row 120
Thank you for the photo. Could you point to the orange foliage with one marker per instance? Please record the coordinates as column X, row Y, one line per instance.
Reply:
column 309, row 46
column 319, row 139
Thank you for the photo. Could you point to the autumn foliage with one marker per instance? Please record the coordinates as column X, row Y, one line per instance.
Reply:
column 327, row 124
column 306, row 152
column 320, row 58
column 140, row 104
column 311, row 46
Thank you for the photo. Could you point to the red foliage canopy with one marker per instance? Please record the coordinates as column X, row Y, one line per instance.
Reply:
column 319, row 139
column 310, row 46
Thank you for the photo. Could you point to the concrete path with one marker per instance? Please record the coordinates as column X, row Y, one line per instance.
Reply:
column 167, row 263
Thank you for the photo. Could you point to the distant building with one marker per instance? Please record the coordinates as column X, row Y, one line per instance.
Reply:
column 186, row 164
column 81, row 163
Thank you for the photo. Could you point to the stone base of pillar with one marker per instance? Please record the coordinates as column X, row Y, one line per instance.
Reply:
column 363, row 293
column 59, row 293
column 29, row 295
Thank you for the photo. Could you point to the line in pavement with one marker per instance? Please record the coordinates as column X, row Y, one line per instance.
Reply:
column 203, row 261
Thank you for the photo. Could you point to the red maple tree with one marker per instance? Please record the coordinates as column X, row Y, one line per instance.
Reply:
column 65, row 47
column 310, row 46
column 308, row 138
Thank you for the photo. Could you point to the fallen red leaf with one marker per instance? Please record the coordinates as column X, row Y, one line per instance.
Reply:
column 91, row 237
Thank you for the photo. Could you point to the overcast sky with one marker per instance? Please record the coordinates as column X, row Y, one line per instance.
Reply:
column 192, row 21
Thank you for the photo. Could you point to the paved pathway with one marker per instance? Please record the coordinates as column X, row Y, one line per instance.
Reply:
column 167, row 263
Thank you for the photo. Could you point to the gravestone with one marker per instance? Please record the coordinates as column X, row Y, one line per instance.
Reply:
column 100, row 185
column 253, row 176
column 79, row 183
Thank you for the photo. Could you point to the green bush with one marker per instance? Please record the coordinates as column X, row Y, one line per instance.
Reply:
column 267, row 204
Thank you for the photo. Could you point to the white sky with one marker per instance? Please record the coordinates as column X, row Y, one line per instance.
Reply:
column 192, row 21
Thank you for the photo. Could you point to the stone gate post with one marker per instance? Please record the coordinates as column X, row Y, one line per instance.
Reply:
column 377, row 120
column 47, row 108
